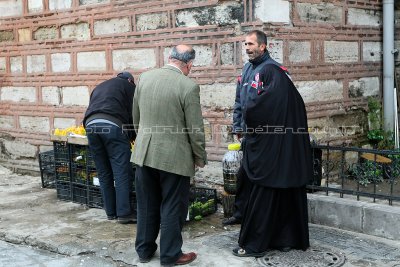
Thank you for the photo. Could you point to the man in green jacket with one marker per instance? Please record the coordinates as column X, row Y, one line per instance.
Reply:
column 169, row 145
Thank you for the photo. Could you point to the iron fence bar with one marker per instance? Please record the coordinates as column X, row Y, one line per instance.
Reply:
column 342, row 171
column 377, row 161
column 352, row 192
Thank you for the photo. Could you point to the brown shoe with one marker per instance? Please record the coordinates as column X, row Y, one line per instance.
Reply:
column 186, row 258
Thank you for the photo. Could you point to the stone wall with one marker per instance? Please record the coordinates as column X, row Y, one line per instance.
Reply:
column 54, row 52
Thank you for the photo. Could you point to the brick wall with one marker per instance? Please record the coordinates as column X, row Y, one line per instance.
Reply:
column 54, row 52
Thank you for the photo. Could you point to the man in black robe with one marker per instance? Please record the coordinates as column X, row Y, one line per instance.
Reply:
column 277, row 161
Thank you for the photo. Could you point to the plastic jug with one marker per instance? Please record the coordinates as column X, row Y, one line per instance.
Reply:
column 230, row 166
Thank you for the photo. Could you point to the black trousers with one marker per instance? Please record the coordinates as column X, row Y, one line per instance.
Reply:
column 162, row 200
column 242, row 193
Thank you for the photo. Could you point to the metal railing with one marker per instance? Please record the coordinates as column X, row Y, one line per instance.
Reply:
column 356, row 171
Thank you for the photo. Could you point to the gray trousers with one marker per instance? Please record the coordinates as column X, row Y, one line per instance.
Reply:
column 162, row 200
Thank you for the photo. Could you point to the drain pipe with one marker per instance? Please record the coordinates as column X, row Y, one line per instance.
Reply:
column 388, row 65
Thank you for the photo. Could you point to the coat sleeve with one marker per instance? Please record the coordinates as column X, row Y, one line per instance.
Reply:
column 237, row 109
column 135, row 110
column 195, row 126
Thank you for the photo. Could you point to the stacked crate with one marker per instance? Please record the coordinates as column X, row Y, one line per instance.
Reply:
column 47, row 170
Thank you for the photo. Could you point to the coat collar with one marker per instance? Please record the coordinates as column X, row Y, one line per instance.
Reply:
column 173, row 68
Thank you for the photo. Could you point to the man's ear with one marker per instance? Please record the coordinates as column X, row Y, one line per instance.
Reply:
column 263, row 47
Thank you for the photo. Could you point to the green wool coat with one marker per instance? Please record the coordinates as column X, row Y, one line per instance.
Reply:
column 168, row 121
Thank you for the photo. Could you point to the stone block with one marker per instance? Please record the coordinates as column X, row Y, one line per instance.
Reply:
column 279, row 13
column 225, row 13
column 18, row 149
column 299, row 51
column 152, row 21
column 313, row 91
column 372, row 51
column 45, row 33
column 11, row 8
column 207, row 131
column 61, row 62
column 204, row 55
column 6, row 122
column 6, row 36
column 51, row 95
column 75, row 96
column 227, row 53
column 340, row 51
column 320, row 13
column 112, row 26
column 226, row 134
column 64, row 122
column 92, row 2
column 3, row 64
column 16, row 64
column 336, row 212
column 79, row 31
column 35, row 6
column 36, row 63
column 364, row 17
column 363, row 87
column 382, row 220
column 18, row 94
column 24, row 35
column 137, row 59
column 60, row 4
column 91, row 61
column 218, row 95
column 34, row 124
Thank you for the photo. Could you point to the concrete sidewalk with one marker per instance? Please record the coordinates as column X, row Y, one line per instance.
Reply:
column 30, row 215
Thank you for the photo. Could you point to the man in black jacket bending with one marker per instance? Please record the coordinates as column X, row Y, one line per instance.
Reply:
column 108, row 121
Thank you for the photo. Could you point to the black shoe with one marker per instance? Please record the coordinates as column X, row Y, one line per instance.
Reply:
column 146, row 260
column 231, row 221
column 110, row 218
column 127, row 219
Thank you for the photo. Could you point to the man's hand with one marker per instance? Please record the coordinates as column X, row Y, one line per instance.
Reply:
column 199, row 165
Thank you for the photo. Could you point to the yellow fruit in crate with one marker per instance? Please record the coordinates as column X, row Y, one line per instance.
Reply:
column 57, row 132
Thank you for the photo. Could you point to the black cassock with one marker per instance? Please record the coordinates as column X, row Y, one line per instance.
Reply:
column 277, row 164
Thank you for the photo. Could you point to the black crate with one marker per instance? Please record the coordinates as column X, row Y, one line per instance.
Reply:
column 64, row 190
column 61, row 151
column 61, row 161
column 47, row 169
column 95, row 199
column 79, row 193
column 83, row 168
column 202, row 202
column 62, row 171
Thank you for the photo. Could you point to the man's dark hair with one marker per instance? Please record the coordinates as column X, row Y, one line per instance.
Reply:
column 261, row 36
column 185, row 56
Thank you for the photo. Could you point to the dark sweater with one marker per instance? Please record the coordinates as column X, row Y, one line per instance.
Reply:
column 112, row 100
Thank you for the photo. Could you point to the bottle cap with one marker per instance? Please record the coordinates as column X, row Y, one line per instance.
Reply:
column 234, row 147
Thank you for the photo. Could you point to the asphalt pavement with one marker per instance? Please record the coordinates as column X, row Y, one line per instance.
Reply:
column 37, row 229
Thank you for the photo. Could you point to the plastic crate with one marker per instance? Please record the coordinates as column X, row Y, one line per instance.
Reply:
column 63, row 190
column 61, row 161
column 61, row 151
column 79, row 193
column 202, row 202
column 47, row 169
column 78, row 161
